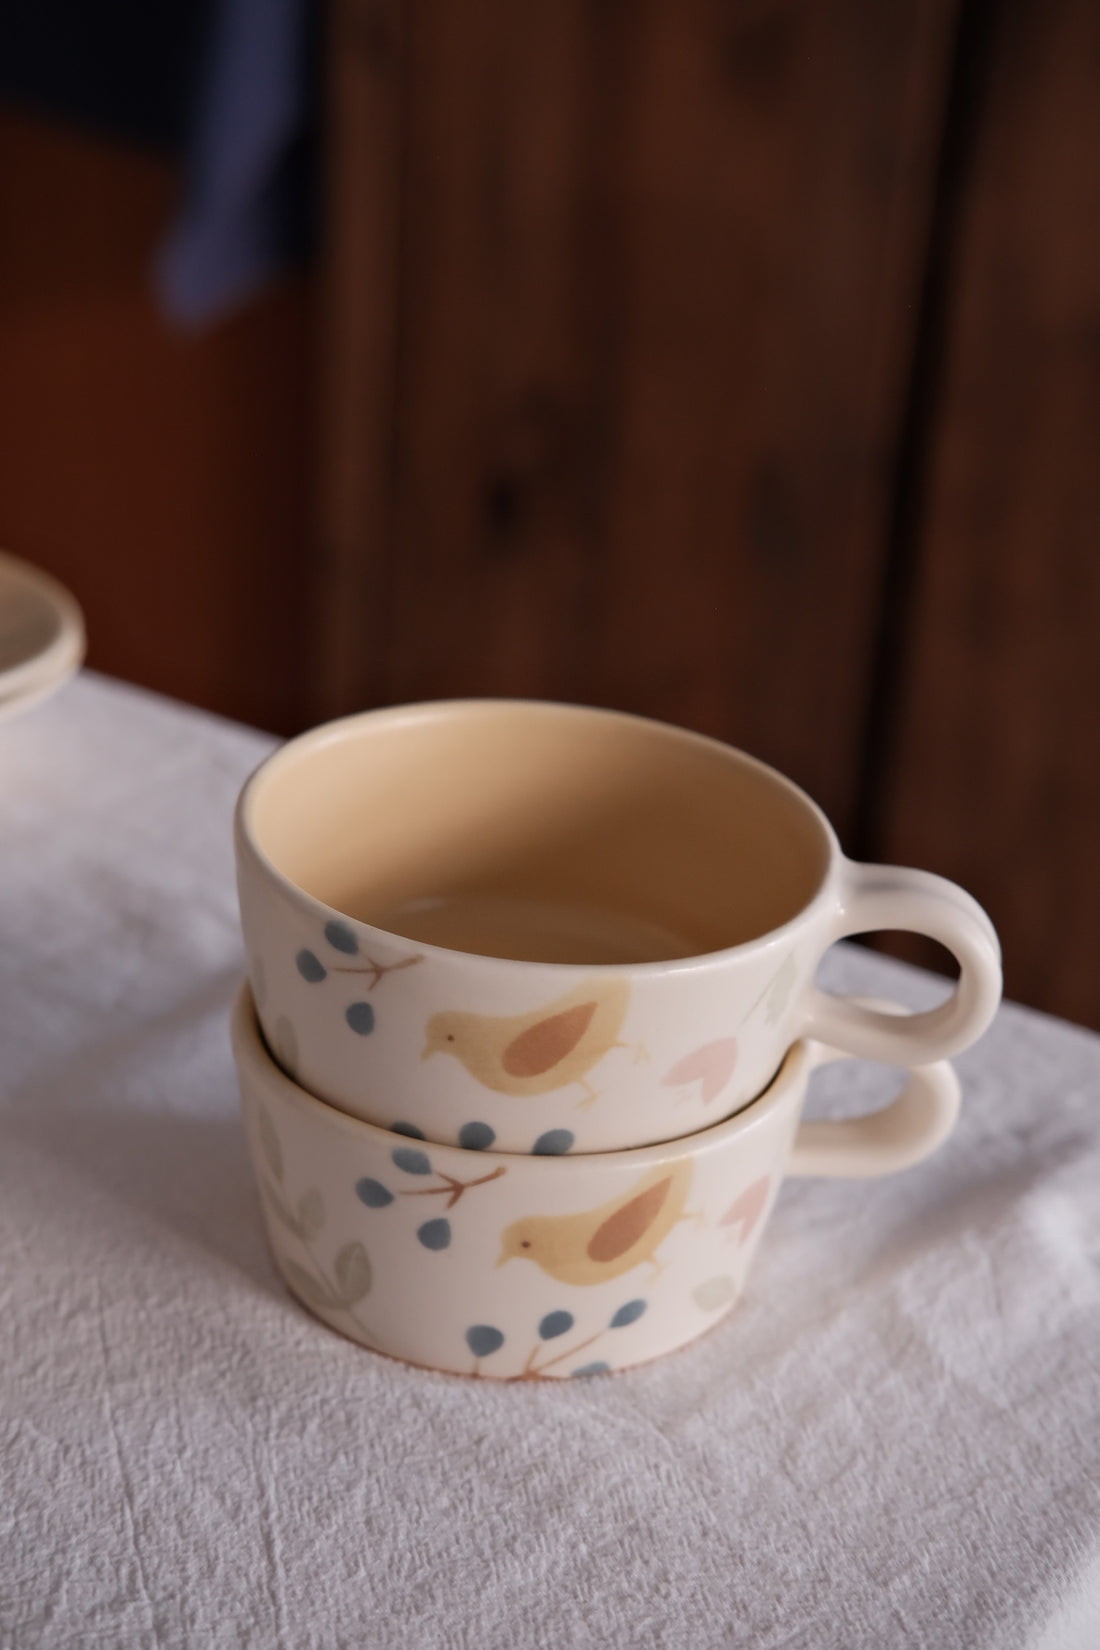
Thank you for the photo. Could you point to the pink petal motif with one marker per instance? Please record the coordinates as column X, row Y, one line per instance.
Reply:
column 712, row 1065
column 746, row 1210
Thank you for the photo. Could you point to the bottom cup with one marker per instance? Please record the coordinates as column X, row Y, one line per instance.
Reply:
column 524, row 1268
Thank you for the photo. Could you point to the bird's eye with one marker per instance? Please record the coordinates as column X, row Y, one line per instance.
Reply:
column 526, row 1244
column 450, row 1036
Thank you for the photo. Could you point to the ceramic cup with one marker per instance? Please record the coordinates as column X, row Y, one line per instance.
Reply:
column 536, row 927
column 538, row 1267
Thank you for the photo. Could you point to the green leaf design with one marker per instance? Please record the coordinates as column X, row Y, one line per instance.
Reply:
column 353, row 1273
column 280, row 1211
column 715, row 1293
column 311, row 1213
column 305, row 1284
column 269, row 1144
column 779, row 992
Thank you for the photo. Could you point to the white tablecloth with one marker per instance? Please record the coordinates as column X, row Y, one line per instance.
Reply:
column 893, row 1441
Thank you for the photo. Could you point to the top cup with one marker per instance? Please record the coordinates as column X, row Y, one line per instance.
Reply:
column 537, row 928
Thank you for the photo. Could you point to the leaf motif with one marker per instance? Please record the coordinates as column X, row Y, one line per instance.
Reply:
column 269, row 1144
column 305, row 1284
column 711, row 1066
column 779, row 992
column 311, row 1212
column 715, row 1293
column 280, row 1211
column 353, row 1273
column 744, row 1212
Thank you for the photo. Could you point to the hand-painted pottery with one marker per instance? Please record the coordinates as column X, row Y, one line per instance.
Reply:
column 535, row 927
column 525, row 1267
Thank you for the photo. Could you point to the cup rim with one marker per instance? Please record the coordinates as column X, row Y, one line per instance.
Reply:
column 331, row 732
column 253, row 1057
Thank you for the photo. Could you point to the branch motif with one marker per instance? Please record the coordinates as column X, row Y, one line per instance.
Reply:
column 376, row 970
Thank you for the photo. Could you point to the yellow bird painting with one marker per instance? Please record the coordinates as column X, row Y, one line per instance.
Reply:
column 608, row 1241
column 535, row 1053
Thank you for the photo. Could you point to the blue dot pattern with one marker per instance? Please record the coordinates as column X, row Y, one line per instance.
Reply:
column 408, row 1128
column 597, row 1368
column 482, row 1339
column 372, row 1193
column 341, row 938
column 360, row 1017
column 311, row 968
column 555, row 1323
column 554, row 1143
column 411, row 1161
column 630, row 1313
column 476, row 1137
column 435, row 1234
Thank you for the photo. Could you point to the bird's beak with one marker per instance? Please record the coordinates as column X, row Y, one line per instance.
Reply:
column 426, row 1051
column 502, row 1257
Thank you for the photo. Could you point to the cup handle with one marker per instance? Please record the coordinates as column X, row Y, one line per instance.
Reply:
column 895, row 1137
column 888, row 896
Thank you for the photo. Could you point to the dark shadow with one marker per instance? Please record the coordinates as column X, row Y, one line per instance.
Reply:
column 966, row 95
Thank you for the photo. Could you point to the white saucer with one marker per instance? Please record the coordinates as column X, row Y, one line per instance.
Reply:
column 41, row 635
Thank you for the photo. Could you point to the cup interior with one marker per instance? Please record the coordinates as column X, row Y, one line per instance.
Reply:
column 538, row 832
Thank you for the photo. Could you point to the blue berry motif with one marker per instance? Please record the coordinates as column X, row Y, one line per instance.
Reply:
column 311, row 968
column 435, row 1234
column 360, row 1017
column 408, row 1128
column 411, row 1161
column 555, row 1323
column 630, row 1313
column 341, row 938
column 372, row 1193
column 482, row 1339
column 476, row 1137
column 554, row 1143
column 597, row 1368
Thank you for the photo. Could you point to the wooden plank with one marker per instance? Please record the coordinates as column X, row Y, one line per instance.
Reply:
column 656, row 274
column 162, row 476
column 356, row 369
column 996, row 771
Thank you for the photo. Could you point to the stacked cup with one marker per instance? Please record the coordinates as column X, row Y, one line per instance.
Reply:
column 530, row 1018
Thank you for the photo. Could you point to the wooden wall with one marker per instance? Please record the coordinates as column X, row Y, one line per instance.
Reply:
column 163, row 477
column 994, row 759
column 738, row 364
column 632, row 292
column 732, row 362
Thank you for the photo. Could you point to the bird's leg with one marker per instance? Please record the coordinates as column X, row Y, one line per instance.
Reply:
column 696, row 1216
column 641, row 1053
column 590, row 1095
column 658, row 1267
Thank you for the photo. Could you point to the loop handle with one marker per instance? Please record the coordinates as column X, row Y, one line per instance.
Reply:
column 887, row 896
